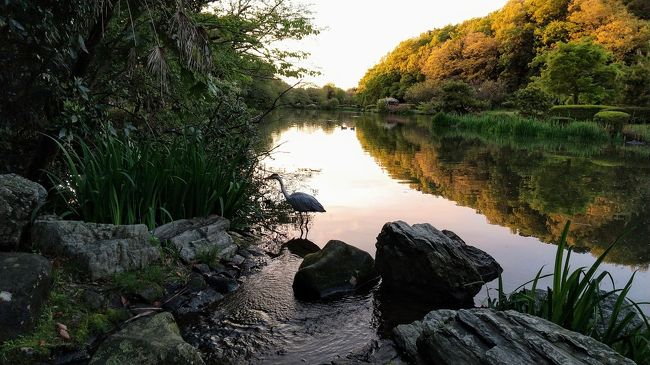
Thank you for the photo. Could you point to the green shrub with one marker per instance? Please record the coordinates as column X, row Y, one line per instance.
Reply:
column 533, row 101
column 382, row 106
column 428, row 108
column 578, row 112
column 332, row 104
column 422, row 92
column 638, row 131
column 456, row 97
column 210, row 256
column 638, row 114
column 124, row 181
column 613, row 120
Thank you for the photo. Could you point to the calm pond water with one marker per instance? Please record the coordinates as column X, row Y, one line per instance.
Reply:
column 509, row 198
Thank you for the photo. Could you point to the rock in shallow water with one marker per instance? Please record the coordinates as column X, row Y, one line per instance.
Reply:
column 336, row 269
column 430, row 266
column 199, row 302
column 301, row 247
column 19, row 198
column 25, row 281
column 489, row 337
column 151, row 341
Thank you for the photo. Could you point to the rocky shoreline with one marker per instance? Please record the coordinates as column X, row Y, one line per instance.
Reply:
column 113, row 294
column 107, row 266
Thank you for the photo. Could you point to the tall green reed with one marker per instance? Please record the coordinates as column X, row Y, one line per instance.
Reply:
column 123, row 181
column 517, row 126
column 575, row 301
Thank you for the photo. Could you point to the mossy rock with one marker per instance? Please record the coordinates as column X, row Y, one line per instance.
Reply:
column 336, row 269
column 151, row 341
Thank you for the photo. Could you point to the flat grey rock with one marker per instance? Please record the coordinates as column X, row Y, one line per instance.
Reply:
column 191, row 237
column 489, row 337
column 99, row 250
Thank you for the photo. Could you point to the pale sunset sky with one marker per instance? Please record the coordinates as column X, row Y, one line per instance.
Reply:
column 357, row 33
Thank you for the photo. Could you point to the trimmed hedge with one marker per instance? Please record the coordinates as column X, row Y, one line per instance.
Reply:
column 578, row 112
column 638, row 114
column 613, row 120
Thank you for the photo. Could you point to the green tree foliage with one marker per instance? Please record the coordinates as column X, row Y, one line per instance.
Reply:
column 422, row 92
column 636, row 81
column 455, row 96
column 580, row 70
column 69, row 66
column 327, row 97
column 533, row 101
column 501, row 46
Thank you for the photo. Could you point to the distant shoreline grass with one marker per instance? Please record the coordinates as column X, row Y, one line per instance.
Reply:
column 502, row 125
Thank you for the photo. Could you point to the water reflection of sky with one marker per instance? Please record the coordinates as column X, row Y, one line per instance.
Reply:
column 360, row 197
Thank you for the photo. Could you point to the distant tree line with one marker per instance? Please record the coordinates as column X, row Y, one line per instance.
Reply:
column 565, row 51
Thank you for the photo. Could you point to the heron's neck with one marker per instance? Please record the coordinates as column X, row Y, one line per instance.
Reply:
column 284, row 190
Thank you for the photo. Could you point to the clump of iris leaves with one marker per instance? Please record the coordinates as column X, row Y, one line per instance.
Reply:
column 575, row 301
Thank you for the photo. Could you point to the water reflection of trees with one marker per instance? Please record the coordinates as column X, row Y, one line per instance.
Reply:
column 531, row 192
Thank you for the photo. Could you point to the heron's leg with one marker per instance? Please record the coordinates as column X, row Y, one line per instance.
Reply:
column 301, row 220
column 307, row 226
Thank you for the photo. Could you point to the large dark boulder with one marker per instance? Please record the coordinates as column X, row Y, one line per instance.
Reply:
column 336, row 269
column 19, row 198
column 25, row 282
column 431, row 266
column 150, row 341
column 98, row 250
column 489, row 337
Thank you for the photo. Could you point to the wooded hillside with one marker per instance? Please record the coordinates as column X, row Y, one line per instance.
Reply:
column 504, row 50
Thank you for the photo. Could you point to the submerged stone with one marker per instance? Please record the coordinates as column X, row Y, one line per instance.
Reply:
column 301, row 247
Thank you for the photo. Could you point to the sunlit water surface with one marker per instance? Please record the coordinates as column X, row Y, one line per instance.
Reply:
column 369, row 170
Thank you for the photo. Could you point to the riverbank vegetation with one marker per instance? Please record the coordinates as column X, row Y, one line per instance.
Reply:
column 501, row 125
column 126, row 105
column 118, row 180
column 526, row 57
column 576, row 301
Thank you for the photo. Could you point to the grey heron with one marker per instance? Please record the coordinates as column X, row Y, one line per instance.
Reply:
column 300, row 202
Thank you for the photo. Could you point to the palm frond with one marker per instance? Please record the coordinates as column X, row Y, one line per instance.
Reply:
column 157, row 65
column 192, row 41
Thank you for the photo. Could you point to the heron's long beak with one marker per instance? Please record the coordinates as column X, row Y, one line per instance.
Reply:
column 268, row 178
